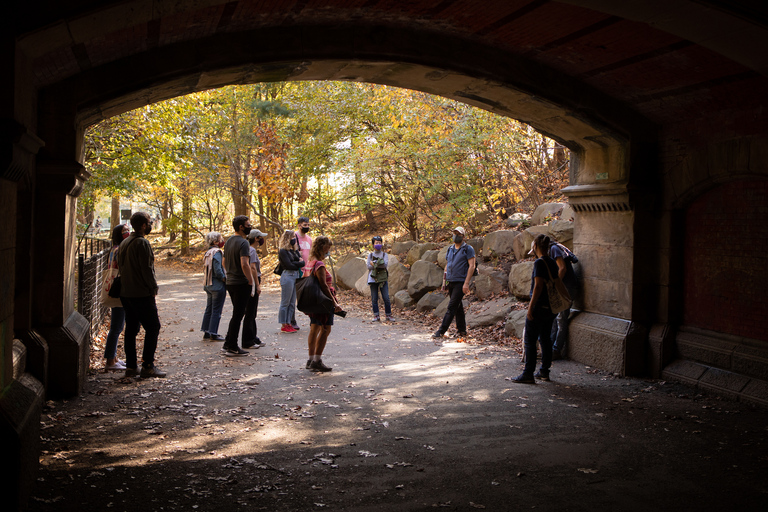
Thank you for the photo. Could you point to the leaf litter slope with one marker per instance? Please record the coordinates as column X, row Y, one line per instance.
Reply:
column 400, row 421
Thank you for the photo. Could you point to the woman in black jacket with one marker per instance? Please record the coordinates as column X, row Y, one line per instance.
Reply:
column 291, row 265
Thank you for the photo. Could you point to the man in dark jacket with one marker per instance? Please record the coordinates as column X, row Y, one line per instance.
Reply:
column 136, row 263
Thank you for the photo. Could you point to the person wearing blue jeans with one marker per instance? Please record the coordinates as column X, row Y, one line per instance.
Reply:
column 215, row 287
column 139, row 288
column 377, row 263
column 291, row 265
column 119, row 233
column 459, row 269
column 538, row 321
column 563, row 258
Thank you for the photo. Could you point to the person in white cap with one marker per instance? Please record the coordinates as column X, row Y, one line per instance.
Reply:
column 240, row 282
column 459, row 269
column 250, row 330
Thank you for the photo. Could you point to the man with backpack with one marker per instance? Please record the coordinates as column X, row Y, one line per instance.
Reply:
column 564, row 259
column 459, row 269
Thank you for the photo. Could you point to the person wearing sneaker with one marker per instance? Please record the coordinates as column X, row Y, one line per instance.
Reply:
column 538, row 321
column 240, row 282
column 378, row 276
column 304, row 245
column 250, row 329
column 459, row 269
column 291, row 265
column 119, row 233
column 214, row 285
column 320, row 324
column 139, row 288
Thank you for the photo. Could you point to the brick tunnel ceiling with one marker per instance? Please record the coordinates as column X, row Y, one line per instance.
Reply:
column 654, row 73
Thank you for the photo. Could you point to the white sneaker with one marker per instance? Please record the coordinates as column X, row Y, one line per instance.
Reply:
column 118, row 366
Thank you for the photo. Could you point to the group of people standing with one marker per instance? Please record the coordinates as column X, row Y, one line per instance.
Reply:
column 233, row 268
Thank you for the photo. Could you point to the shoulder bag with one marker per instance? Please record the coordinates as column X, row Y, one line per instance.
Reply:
column 559, row 298
column 310, row 298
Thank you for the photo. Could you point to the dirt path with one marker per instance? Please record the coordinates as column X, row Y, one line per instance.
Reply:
column 399, row 423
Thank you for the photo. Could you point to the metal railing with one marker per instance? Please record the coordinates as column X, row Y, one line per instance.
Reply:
column 91, row 265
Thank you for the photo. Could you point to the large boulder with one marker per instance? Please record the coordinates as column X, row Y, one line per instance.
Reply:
column 520, row 280
column 561, row 230
column 546, row 210
column 398, row 276
column 348, row 274
column 417, row 251
column 477, row 244
column 441, row 256
column 516, row 219
column 362, row 287
column 430, row 301
column 568, row 213
column 518, row 247
column 402, row 247
column 440, row 310
column 515, row 324
column 531, row 233
column 499, row 243
column 489, row 313
column 403, row 300
column 430, row 256
column 425, row 277
column 490, row 282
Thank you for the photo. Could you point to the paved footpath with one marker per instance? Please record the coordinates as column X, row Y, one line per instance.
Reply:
column 400, row 422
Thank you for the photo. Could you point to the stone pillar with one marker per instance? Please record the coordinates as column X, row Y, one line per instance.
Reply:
column 605, row 333
column 21, row 394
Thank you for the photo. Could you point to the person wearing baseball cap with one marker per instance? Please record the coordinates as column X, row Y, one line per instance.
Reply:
column 459, row 269
column 250, row 337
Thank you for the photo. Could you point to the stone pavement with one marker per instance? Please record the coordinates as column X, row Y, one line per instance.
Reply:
column 399, row 422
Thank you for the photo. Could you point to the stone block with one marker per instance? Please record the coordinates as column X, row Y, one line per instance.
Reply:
column 607, row 228
column 516, row 219
column 723, row 382
column 362, row 287
column 490, row 284
column 561, row 230
column 756, row 392
column 607, row 297
column 491, row 312
column 682, row 370
column 751, row 361
column 568, row 213
column 417, row 251
column 705, row 348
column 430, row 256
column 529, row 235
column 399, row 275
column 606, row 263
column 600, row 341
column 441, row 256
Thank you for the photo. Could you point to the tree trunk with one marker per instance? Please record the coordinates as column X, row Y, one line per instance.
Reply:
column 185, row 213
column 114, row 215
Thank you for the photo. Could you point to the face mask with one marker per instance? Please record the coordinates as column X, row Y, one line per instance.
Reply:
column 305, row 230
column 261, row 241
column 220, row 244
column 293, row 241
column 457, row 238
column 149, row 229
column 246, row 229
column 125, row 235
column 377, row 247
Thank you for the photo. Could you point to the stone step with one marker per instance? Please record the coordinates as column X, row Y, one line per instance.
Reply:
column 716, row 380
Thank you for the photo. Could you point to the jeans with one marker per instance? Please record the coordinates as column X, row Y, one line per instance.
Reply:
column 243, row 306
column 140, row 312
column 538, row 329
column 560, row 326
column 213, row 309
column 455, row 308
column 115, row 328
column 384, row 287
column 287, row 312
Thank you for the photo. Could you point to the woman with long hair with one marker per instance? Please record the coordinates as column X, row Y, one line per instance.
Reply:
column 320, row 323
column 214, row 286
column 538, row 321
column 117, row 315
column 291, row 264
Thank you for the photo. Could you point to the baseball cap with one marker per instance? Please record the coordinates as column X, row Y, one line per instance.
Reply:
column 256, row 233
column 460, row 230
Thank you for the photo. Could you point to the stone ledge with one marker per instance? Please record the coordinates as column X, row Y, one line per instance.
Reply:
column 732, row 353
column 718, row 381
